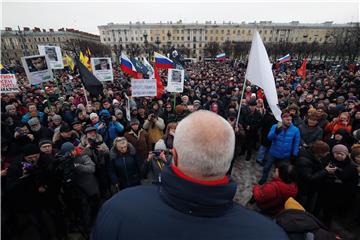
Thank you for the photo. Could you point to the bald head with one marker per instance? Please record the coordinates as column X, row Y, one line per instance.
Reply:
column 205, row 145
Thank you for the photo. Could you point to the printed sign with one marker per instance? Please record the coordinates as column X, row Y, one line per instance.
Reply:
column 102, row 69
column 8, row 83
column 175, row 80
column 53, row 54
column 143, row 87
column 37, row 69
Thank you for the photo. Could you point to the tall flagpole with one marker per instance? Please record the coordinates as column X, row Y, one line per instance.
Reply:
column 242, row 95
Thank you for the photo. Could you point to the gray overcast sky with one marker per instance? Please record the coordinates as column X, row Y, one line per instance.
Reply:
column 86, row 16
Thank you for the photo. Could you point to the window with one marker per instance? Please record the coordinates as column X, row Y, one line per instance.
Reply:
column 211, row 38
column 59, row 39
column 188, row 45
column 205, row 38
column 217, row 31
column 216, row 39
column 222, row 38
column 194, row 39
column 234, row 32
column 211, row 31
column 182, row 38
column 199, row 44
column 126, row 39
column 151, row 38
column 265, row 31
column 188, row 38
column 264, row 39
column 104, row 39
column 120, row 39
column 136, row 38
column 260, row 31
column 132, row 39
column 205, row 31
column 222, row 31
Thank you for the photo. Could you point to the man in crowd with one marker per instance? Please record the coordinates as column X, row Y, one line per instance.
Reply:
column 196, row 180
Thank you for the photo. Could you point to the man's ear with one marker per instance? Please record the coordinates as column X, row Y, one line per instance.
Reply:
column 175, row 157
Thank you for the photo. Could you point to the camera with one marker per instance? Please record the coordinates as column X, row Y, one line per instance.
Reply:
column 65, row 166
column 93, row 143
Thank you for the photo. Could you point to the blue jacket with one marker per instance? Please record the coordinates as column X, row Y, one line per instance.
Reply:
column 286, row 143
column 28, row 116
column 180, row 209
column 110, row 132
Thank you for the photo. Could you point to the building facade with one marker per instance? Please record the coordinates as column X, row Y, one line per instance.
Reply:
column 196, row 36
column 15, row 44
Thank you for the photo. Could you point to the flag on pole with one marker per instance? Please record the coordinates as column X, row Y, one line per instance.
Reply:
column 302, row 70
column 259, row 73
column 150, row 71
column 69, row 62
column 84, row 59
column 128, row 67
column 139, row 66
column 159, row 85
column 91, row 83
column 3, row 69
column 284, row 59
column 162, row 62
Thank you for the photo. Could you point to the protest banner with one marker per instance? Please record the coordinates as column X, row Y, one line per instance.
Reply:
column 143, row 87
column 37, row 69
column 53, row 54
column 175, row 80
column 102, row 69
column 127, row 108
column 8, row 83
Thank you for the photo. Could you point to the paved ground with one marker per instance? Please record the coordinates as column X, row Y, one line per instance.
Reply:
column 245, row 174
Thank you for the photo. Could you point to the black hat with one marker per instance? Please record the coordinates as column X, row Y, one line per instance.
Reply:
column 75, row 122
column 30, row 149
column 65, row 128
column 90, row 129
column 66, row 147
column 134, row 121
column 252, row 103
column 44, row 141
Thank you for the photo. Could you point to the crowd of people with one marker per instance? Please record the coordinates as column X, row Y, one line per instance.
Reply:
column 65, row 152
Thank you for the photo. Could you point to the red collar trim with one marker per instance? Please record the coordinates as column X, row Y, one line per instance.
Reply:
column 179, row 173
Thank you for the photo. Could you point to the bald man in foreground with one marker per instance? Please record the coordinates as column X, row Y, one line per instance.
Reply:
column 195, row 197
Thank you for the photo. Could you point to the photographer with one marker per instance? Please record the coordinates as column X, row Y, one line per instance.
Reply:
column 97, row 150
column 81, row 191
column 155, row 126
column 32, row 197
column 158, row 159
column 108, row 127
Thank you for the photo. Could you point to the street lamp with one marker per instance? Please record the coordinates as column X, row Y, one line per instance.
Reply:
column 157, row 42
column 147, row 50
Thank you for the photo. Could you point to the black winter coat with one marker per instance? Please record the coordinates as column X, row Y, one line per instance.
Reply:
column 123, row 168
column 181, row 209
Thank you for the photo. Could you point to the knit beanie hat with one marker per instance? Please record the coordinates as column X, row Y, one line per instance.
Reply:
column 30, row 149
column 44, row 141
column 66, row 147
column 340, row 149
column 355, row 151
column 160, row 145
column 93, row 115
column 320, row 147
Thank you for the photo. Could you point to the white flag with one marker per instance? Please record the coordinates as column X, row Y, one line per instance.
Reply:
column 149, row 67
column 259, row 73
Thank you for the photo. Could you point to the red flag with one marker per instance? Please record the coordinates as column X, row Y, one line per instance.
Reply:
column 159, row 85
column 302, row 70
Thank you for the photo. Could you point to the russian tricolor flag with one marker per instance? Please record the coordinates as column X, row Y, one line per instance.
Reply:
column 285, row 58
column 163, row 62
column 128, row 67
column 221, row 57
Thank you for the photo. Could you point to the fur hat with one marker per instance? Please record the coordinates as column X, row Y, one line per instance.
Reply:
column 320, row 147
column 355, row 151
column 30, row 149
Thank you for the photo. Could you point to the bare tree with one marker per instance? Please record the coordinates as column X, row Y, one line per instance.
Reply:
column 211, row 49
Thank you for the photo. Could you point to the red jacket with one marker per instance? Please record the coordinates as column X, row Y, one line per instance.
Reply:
column 272, row 196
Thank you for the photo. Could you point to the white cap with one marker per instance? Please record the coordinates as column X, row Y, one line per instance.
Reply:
column 93, row 115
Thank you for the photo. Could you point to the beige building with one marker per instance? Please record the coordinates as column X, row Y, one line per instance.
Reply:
column 195, row 36
column 15, row 44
